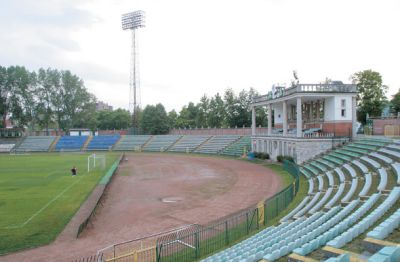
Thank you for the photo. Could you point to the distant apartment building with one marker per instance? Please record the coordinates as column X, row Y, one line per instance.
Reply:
column 103, row 106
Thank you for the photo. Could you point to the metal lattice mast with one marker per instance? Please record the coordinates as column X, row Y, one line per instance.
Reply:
column 133, row 21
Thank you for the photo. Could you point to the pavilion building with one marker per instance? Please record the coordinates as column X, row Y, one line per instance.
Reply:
column 306, row 119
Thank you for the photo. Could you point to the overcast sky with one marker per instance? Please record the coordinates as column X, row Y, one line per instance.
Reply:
column 195, row 47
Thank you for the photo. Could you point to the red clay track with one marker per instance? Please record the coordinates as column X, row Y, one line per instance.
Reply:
column 157, row 192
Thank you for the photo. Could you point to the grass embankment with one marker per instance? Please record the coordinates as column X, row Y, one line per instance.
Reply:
column 38, row 196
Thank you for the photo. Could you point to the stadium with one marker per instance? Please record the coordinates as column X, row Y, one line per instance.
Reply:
column 332, row 195
column 200, row 166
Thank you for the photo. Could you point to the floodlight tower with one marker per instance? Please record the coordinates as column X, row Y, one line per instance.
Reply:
column 133, row 21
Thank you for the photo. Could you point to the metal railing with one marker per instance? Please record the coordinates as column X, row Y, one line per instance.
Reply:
column 306, row 88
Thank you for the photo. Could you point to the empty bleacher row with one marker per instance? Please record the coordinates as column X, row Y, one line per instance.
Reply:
column 232, row 145
column 36, row 144
column 355, row 182
column 130, row 142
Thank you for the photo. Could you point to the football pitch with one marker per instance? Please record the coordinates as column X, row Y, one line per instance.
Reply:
column 39, row 196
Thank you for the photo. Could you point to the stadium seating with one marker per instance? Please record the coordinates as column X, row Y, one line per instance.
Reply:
column 367, row 185
column 70, row 143
column 382, row 157
column 386, row 254
column 5, row 148
column 354, row 167
column 216, row 144
column 361, row 166
column 390, row 152
column 372, row 162
column 383, row 179
column 105, row 142
column 243, row 145
column 350, row 170
column 396, row 167
column 188, row 143
column 130, row 142
column 36, row 144
column 352, row 190
column 341, row 258
column 336, row 197
column 333, row 159
column 161, row 143
column 367, row 221
column 386, row 227
column 339, row 172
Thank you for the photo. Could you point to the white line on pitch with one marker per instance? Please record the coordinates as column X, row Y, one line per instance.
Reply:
column 45, row 206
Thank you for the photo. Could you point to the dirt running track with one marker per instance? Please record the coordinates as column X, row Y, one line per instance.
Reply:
column 157, row 192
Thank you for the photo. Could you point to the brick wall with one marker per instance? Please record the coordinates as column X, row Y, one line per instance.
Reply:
column 379, row 125
column 217, row 131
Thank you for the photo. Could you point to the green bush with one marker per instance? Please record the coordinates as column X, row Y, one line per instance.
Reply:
column 280, row 158
column 260, row 155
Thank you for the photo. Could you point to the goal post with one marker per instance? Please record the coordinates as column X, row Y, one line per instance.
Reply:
column 96, row 160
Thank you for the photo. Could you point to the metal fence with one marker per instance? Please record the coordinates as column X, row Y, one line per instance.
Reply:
column 194, row 243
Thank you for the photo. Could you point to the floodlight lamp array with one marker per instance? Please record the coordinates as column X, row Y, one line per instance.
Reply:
column 133, row 20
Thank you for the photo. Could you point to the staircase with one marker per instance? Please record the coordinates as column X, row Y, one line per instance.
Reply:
column 84, row 147
column 205, row 142
column 177, row 141
column 53, row 145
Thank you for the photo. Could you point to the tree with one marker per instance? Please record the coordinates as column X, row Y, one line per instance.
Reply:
column 48, row 82
column 395, row 102
column 203, row 109
column 216, row 115
column 172, row 118
column 231, row 108
column 154, row 120
column 371, row 94
column 17, row 95
column 70, row 100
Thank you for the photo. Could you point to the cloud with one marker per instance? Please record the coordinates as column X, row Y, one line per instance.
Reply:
column 35, row 31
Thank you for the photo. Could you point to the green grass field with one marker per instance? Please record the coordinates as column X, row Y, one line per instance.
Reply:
column 38, row 196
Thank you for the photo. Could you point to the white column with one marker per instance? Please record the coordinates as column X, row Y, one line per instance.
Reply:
column 253, row 121
column 269, row 119
column 299, row 122
column 354, row 116
column 284, row 113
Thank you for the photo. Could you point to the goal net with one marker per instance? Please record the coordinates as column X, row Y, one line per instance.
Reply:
column 96, row 161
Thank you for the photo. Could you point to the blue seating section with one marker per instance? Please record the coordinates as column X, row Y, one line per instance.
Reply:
column 36, row 144
column 386, row 254
column 71, row 143
column 103, row 142
column 386, row 227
